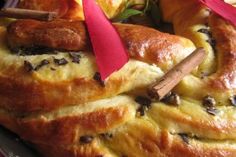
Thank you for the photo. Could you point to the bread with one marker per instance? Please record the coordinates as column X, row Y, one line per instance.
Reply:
column 74, row 83
column 66, row 113
column 72, row 9
column 206, row 30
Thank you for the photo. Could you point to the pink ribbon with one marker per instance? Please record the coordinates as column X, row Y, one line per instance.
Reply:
column 221, row 8
column 2, row 154
column 109, row 50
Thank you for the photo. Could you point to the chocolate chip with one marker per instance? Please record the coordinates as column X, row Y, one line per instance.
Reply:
column 203, row 75
column 208, row 101
column 28, row 66
column 98, row 78
column 211, row 110
column 144, row 101
column 61, row 61
column 141, row 111
column 233, row 100
column 33, row 50
column 99, row 156
column 172, row 99
column 41, row 64
column 212, row 42
column 106, row 135
column 204, row 31
column 86, row 139
column 53, row 69
column 75, row 57
column 184, row 137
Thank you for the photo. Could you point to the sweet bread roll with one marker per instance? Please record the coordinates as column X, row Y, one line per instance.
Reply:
column 215, row 75
column 73, row 83
column 64, row 112
column 72, row 9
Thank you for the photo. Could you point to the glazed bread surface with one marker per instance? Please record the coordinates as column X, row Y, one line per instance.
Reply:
column 64, row 112
column 46, row 88
column 73, row 9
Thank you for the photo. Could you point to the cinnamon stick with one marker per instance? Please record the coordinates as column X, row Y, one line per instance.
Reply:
column 27, row 14
column 176, row 74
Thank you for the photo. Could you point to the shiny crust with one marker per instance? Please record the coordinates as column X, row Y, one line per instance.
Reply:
column 57, row 133
column 73, row 10
column 74, row 83
column 55, row 129
column 60, row 35
column 72, row 36
column 216, row 75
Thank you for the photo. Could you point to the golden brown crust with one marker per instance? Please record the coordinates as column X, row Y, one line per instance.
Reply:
column 57, row 133
column 142, row 43
column 73, row 10
column 52, row 5
column 59, row 34
column 225, row 35
column 216, row 74
column 23, row 93
column 53, row 110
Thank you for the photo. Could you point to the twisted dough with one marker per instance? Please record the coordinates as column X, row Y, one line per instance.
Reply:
column 72, row 9
column 110, row 114
column 217, row 72
column 74, row 83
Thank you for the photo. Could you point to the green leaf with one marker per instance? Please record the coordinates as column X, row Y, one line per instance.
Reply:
column 126, row 14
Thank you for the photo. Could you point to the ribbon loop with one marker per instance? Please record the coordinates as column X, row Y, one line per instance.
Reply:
column 109, row 50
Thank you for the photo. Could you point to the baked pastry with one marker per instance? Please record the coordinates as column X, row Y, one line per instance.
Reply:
column 205, row 29
column 72, row 9
column 64, row 111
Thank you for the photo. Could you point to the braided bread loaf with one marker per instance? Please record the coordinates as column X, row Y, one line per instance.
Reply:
column 72, row 9
column 54, row 101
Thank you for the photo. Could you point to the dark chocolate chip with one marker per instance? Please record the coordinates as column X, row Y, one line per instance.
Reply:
column 53, row 69
column 212, row 42
column 211, row 110
column 172, row 99
column 141, row 110
column 203, row 75
column 208, row 101
column 41, row 64
column 28, row 66
column 75, row 57
column 106, row 135
column 184, row 137
column 233, row 100
column 205, row 31
column 33, row 50
column 144, row 101
column 61, row 61
column 86, row 139
column 98, row 78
